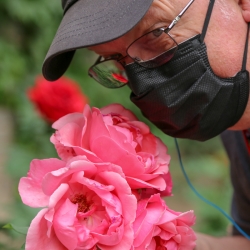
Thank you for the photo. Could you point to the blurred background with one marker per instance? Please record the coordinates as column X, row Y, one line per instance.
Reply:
column 26, row 31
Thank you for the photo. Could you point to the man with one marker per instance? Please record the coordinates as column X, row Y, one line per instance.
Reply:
column 186, row 64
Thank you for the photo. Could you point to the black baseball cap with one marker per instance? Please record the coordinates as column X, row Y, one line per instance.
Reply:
column 90, row 22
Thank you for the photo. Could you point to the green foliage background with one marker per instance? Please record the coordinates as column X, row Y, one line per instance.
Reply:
column 27, row 29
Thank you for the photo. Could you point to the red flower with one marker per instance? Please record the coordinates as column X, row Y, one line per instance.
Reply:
column 56, row 99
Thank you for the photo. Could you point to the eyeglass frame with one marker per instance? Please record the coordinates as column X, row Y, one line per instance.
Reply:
column 119, row 57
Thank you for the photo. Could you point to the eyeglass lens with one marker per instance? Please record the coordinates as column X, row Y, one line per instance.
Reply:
column 153, row 49
column 108, row 74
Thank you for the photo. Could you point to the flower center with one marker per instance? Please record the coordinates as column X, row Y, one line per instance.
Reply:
column 83, row 204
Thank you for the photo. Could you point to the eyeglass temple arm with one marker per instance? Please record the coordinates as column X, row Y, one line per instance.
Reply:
column 98, row 60
column 175, row 21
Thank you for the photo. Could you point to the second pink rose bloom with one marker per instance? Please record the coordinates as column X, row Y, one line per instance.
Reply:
column 114, row 134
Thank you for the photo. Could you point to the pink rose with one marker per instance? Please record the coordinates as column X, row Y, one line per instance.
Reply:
column 113, row 134
column 158, row 227
column 56, row 99
column 88, row 205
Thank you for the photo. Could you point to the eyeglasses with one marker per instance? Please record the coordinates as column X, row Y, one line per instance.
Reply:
column 151, row 50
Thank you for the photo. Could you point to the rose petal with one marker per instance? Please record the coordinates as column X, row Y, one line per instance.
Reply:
column 30, row 187
column 64, row 224
column 37, row 237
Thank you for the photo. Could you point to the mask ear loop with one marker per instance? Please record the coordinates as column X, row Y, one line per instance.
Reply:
column 207, row 19
column 244, row 61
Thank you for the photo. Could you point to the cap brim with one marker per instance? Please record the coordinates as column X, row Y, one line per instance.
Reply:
column 88, row 23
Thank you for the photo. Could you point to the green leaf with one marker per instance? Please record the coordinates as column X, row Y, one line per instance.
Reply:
column 23, row 246
column 21, row 230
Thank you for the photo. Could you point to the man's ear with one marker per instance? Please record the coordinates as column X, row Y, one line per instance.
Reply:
column 245, row 6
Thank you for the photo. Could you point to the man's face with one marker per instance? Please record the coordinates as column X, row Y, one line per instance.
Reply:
column 225, row 38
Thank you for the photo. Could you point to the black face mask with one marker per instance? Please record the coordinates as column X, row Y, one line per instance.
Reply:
column 184, row 98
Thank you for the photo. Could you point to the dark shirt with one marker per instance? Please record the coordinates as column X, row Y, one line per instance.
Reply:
column 239, row 157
